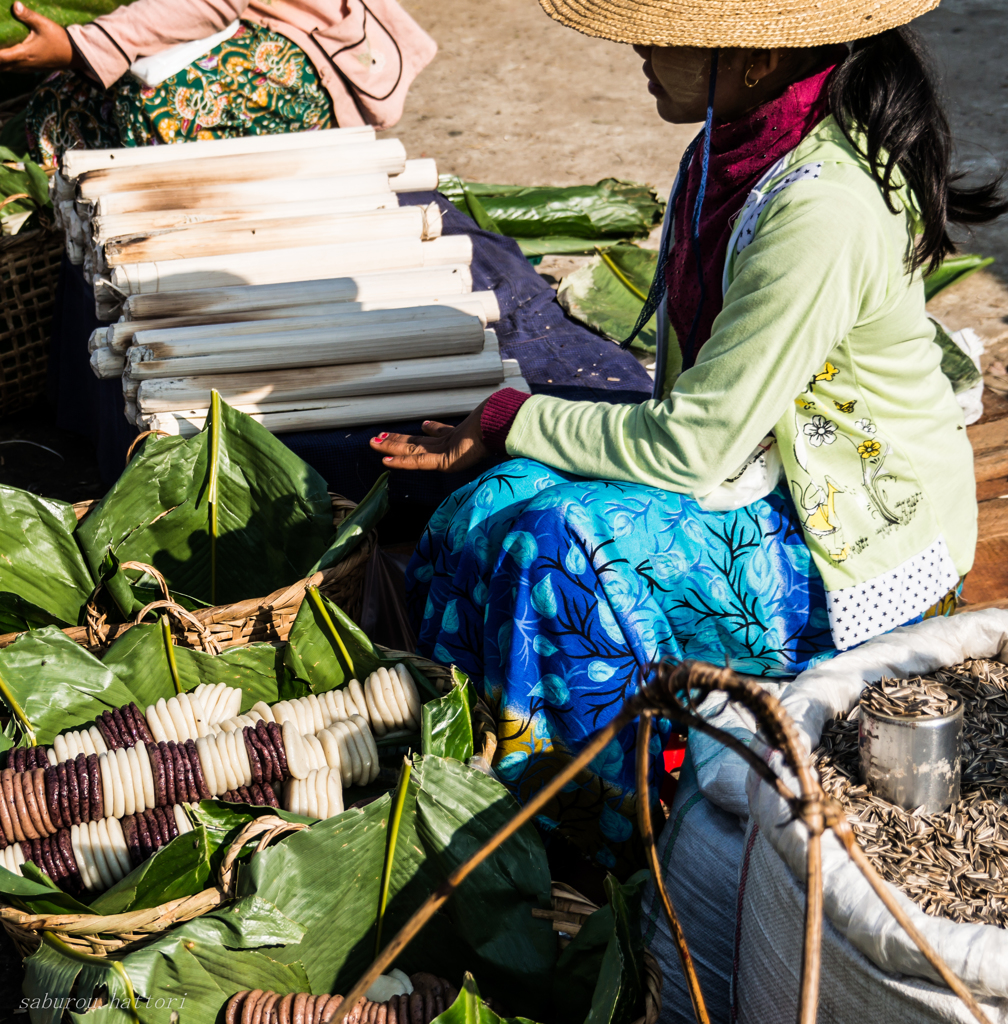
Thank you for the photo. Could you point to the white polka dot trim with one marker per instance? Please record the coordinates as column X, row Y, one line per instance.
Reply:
column 858, row 613
column 757, row 201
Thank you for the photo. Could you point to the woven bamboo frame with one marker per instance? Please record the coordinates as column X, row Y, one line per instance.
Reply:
column 29, row 269
column 257, row 619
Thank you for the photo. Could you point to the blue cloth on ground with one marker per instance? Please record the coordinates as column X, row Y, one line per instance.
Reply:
column 555, row 593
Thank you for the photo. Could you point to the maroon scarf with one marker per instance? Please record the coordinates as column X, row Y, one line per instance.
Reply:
column 740, row 154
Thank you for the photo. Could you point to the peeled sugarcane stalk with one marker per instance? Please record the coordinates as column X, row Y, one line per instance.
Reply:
column 212, row 195
column 310, row 263
column 386, row 156
column 210, row 339
column 119, row 336
column 254, row 235
column 392, row 999
column 320, row 383
column 446, row 280
column 107, row 364
column 338, row 342
column 419, row 176
column 76, row 162
column 343, row 413
column 115, row 225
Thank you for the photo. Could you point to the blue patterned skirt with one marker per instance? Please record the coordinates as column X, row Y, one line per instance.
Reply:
column 554, row 593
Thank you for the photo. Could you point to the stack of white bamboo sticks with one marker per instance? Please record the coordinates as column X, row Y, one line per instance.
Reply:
column 281, row 271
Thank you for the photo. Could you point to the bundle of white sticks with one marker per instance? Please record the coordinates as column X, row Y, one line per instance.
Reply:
column 282, row 272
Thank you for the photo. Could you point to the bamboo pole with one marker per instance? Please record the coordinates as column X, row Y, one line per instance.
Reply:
column 308, row 263
column 344, row 413
column 115, row 225
column 322, row 384
column 256, row 235
column 119, row 336
column 418, row 176
column 174, row 343
column 212, row 195
column 386, row 156
column 322, row 348
column 447, row 280
column 76, row 162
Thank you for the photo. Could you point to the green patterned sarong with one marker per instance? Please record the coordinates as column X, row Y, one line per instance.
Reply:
column 255, row 83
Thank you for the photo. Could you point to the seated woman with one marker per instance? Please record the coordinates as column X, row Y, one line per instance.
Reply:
column 285, row 66
column 801, row 480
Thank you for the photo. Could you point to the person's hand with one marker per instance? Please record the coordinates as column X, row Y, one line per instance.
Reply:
column 47, row 47
column 445, row 448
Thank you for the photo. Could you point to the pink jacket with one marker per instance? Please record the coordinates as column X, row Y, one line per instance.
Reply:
column 366, row 53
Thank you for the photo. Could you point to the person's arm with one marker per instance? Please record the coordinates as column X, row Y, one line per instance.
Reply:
column 112, row 42
column 817, row 266
column 47, row 48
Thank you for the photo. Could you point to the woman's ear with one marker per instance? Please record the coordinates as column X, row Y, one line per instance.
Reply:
column 760, row 64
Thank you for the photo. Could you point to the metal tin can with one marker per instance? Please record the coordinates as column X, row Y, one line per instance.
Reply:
column 912, row 760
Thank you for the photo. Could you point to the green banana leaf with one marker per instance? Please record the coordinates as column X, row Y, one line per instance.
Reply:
column 607, row 295
column 67, row 12
column 228, row 514
column 447, row 722
column 49, row 685
column 610, row 209
column 960, row 369
column 326, row 649
column 140, row 659
column 44, row 579
column 361, row 521
column 182, row 868
column 953, row 270
column 469, row 1008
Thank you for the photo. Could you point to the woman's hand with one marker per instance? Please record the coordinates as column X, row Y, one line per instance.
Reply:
column 47, row 47
column 445, row 448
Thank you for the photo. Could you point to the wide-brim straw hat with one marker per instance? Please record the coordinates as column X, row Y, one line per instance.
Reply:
column 711, row 23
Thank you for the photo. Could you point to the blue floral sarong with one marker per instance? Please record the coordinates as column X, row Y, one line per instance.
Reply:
column 554, row 593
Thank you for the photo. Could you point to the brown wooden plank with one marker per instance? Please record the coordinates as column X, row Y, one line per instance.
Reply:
column 988, row 579
column 990, row 448
column 988, row 489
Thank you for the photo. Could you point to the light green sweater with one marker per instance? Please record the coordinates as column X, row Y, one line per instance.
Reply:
column 823, row 340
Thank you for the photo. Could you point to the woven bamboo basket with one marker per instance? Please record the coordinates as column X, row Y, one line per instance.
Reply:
column 29, row 268
column 266, row 618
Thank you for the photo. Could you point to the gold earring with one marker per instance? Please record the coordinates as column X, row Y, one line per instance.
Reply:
column 750, row 85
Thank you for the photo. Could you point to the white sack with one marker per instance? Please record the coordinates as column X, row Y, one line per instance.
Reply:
column 978, row 954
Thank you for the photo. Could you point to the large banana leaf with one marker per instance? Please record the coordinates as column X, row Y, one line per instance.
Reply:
column 357, row 525
column 610, row 209
column 229, row 514
column 43, row 577
column 50, row 685
column 326, row 649
column 67, row 12
column 953, row 270
column 447, row 723
column 607, row 295
column 140, row 658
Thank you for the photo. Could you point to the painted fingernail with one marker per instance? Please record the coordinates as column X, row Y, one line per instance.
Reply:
column 425, row 422
column 388, row 458
column 381, row 437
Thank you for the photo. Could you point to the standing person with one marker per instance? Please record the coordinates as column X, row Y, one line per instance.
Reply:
column 269, row 66
column 803, row 484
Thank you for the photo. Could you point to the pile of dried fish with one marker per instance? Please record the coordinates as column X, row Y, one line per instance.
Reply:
column 953, row 864
column 910, row 697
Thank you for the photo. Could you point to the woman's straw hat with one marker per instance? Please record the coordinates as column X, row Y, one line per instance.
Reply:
column 710, row 23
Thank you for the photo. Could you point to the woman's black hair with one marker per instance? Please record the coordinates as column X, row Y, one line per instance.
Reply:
column 887, row 90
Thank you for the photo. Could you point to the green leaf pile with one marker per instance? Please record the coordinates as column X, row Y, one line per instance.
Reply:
column 225, row 516
column 547, row 219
